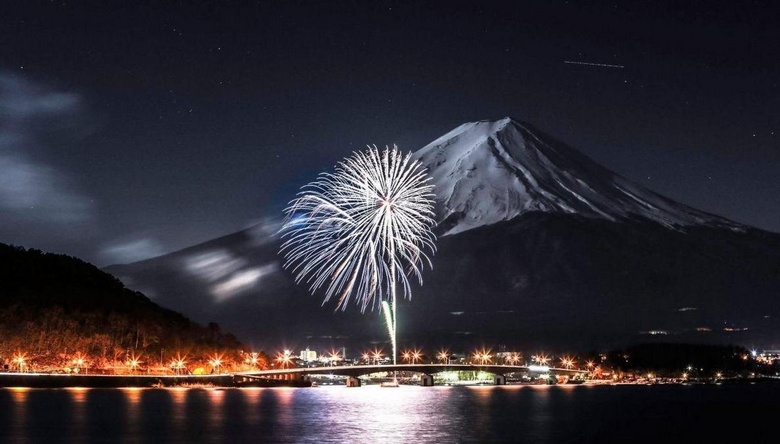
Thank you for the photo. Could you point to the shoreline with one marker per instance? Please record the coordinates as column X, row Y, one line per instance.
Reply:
column 49, row 380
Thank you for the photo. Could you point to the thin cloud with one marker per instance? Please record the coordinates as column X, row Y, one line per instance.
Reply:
column 32, row 190
column 132, row 251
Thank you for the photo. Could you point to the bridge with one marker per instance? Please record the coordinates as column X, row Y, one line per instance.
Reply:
column 352, row 372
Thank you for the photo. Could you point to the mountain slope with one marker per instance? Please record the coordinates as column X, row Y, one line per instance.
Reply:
column 491, row 171
column 539, row 245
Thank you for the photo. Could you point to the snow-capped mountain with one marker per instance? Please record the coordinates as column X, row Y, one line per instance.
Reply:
column 491, row 171
column 541, row 245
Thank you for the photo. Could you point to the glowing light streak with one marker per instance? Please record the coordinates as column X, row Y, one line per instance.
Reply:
column 602, row 65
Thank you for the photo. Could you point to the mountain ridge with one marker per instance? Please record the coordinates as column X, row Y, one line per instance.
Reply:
column 494, row 170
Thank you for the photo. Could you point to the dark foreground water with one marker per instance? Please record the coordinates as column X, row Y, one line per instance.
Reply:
column 370, row 414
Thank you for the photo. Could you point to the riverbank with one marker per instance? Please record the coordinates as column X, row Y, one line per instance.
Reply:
column 48, row 380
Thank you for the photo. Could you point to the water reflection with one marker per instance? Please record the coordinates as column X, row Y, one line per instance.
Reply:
column 17, row 421
column 369, row 414
column 132, row 398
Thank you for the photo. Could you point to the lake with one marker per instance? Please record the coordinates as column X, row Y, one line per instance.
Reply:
column 408, row 414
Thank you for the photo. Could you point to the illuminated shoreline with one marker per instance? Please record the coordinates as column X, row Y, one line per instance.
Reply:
column 49, row 380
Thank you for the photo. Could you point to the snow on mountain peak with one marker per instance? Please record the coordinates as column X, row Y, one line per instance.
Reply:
column 491, row 171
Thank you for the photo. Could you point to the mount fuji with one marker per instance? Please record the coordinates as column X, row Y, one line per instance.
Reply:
column 538, row 246
column 493, row 171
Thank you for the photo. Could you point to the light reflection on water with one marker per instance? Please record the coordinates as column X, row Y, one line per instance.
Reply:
column 376, row 415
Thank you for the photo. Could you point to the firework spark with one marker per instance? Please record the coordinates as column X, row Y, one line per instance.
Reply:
column 358, row 231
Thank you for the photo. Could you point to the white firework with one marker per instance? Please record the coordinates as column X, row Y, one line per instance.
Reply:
column 361, row 229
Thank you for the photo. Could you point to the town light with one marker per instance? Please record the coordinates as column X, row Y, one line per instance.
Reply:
column 132, row 363
column 334, row 357
column 215, row 362
column 540, row 359
column 567, row 362
column 513, row 358
column 20, row 359
column 483, row 356
column 284, row 359
column 178, row 364
column 252, row 359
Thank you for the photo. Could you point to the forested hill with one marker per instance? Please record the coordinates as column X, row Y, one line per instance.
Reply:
column 52, row 306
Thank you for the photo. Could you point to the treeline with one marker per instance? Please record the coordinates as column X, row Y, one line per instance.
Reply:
column 53, row 306
column 673, row 358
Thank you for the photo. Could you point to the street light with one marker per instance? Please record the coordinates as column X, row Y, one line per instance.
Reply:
column 284, row 358
column 252, row 359
column 20, row 360
column 483, row 356
column 334, row 356
column 78, row 362
column 132, row 363
column 443, row 356
column 178, row 364
column 541, row 359
column 567, row 362
column 215, row 362
column 376, row 355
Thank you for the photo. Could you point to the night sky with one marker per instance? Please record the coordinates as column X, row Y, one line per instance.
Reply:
column 131, row 131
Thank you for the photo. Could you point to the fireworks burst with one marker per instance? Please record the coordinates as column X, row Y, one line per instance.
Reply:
column 358, row 231
column 361, row 228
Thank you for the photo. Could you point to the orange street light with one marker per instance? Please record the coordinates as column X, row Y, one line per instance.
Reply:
column 567, row 362
column 284, row 359
column 483, row 356
column 215, row 362
column 20, row 359
column 178, row 364
column 132, row 363
column 252, row 359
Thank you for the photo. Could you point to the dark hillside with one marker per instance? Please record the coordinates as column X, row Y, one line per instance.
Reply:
column 53, row 306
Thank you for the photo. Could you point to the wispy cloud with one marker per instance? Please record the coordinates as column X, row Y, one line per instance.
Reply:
column 32, row 190
column 133, row 250
column 227, row 275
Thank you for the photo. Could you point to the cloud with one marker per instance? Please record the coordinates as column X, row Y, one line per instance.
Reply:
column 241, row 281
column 32, row 190
column 22, row 99
column 227, row 275
column 132, row 251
